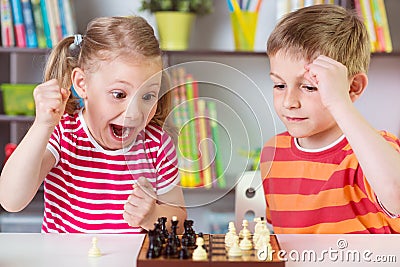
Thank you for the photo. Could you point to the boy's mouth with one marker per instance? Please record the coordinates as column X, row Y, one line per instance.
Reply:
column 119, row 131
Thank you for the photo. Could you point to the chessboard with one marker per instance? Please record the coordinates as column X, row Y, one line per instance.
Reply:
column 217, row 256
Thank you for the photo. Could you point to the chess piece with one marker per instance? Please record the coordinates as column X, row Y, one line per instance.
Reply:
column 201, row 235
column 174, row 226
column 184, row 252
column 199, row 253
column 245, row 224
column 189, row 233
column 155, row 245
column 94, row 251
column 229, row 236
column 162, row 222
column 171, row 248
column 246, row 244
column 235, row 250
column 263, row 239
column 258, row 228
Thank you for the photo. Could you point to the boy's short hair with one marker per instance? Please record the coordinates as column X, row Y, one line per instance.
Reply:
column 328, row 30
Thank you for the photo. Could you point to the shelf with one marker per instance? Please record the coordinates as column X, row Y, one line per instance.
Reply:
column 24, row 50
column 19, row 118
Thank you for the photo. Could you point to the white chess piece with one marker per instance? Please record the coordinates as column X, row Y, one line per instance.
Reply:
column 245, row 224
column 235, row 250
column 263, row 239
column 94, row 251
column 199, row 254
column 246, row 244
column 229, row 237
column 258, row 228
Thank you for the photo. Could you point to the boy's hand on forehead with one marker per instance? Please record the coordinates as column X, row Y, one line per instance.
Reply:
column 50, row 102
column 140, row 203
column 330, row 77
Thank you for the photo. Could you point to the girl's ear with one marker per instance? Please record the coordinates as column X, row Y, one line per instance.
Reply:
column 358, row 83
column 79, row 81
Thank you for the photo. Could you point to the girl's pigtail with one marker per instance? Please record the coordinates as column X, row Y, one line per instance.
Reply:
column 62, row 60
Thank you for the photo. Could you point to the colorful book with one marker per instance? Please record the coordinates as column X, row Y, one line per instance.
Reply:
column 368, row 21
column 18, row 21
column 205, row 153
column 211, row 148
column 194, row 152
column 27, row 12
column 62, row 18
column 51, row 19
column 386, row 30
column 7, row 31
column 70, row 20
column 212, row 109
column 46, row 24
column 38, row 19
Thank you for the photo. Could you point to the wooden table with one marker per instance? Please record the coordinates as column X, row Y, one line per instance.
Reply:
column 33, row 250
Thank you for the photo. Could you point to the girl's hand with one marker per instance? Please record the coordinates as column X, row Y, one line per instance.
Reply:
column 50, row 102
column 331, row 79
column 141, row 203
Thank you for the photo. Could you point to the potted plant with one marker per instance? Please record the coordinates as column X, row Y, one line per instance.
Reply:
column 175, row 19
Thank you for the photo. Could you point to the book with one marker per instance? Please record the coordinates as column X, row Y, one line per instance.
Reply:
column 212, row 109
column 63, row 24
column 30, row 29
column 69, row 15
column 52, row 21
column 18, row 21
column 368, row 21
column 194, row 152
column 386, row 30
column 46, row 25
column 7, row 31
column 205, row 153
column 39, row 26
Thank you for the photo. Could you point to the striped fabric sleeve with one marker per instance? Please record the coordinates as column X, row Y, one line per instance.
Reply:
column 54, row 144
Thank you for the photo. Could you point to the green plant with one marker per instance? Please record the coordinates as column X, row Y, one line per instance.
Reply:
column 199, row 7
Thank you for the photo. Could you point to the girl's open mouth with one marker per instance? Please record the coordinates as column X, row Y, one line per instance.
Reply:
column 119, row 131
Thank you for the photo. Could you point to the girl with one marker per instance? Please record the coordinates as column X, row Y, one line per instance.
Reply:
column 90, row 158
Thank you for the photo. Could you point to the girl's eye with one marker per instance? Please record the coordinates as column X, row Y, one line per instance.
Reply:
column 148, row 97
column 119, row 95
column 279, row 86
column 310, row 88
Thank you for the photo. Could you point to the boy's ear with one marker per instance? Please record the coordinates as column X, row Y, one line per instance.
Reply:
column 358, row 83
column 79, row 81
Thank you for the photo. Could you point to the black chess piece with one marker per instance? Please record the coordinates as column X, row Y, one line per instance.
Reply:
column 184, row 253
column 174, row 226
column 154, row 249
column 171, row 249
column 162, row 221
column 189, row 232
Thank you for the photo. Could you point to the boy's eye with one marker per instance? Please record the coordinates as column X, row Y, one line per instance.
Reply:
column 279, row 86
column 148, row 97
column 119, row 95
column 310, row 88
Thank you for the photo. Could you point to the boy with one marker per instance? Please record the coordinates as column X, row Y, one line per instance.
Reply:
column 331, row 172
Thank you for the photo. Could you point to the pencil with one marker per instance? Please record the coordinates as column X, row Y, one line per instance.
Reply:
column 258, row 6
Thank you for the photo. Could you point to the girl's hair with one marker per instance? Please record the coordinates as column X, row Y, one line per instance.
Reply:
column 328, row 30
column 107, row 38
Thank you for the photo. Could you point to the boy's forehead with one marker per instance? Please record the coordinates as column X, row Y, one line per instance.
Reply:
column 284, row 66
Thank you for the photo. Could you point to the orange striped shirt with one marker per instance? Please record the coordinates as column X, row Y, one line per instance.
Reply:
column 321, row 192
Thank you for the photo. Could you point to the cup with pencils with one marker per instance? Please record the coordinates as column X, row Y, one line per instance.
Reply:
column 244, row 23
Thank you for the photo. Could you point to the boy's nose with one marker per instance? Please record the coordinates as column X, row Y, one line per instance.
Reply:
column 291, row 99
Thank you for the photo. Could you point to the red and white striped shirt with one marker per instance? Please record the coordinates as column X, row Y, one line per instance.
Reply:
column 86, row 190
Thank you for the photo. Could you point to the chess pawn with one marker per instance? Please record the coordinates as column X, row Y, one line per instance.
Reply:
column 94, row 251
column 229, row 236
column 245, row 224
column 246, row 244
column 199, row 253
column 235, row 250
